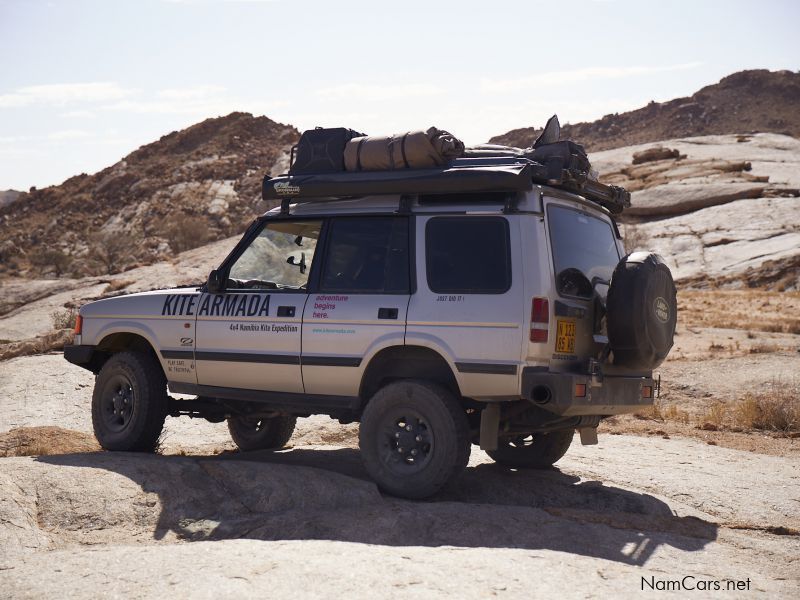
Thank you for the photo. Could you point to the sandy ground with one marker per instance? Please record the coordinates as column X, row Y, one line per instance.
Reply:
column 307, row 521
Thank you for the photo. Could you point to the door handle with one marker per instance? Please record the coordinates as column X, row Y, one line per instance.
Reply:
column 286, row 311
column 387, row 313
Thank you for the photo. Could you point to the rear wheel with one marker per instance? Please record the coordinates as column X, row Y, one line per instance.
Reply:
column 414, row 438
column 261, row 433
column 129, row 402
column 533, row 451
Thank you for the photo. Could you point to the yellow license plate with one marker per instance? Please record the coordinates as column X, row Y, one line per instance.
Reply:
column 565, row 337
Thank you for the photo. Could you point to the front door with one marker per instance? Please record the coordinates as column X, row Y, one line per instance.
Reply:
column 249, row 336
column 361, row 303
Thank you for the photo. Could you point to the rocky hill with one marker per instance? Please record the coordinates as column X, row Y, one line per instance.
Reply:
column 722, row 210
column 188, row 188
column 756, row 101
column 8, row 196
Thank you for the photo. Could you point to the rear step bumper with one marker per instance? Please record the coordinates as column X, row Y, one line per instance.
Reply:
column 610, row 394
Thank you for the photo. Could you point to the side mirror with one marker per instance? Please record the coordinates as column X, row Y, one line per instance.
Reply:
column 215, row 283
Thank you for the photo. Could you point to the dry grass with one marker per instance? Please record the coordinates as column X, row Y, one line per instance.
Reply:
column 661, row 411
column 45, row 441
column 748, row 310
column 777, row 409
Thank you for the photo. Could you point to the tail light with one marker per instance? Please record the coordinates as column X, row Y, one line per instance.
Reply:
column 540, row 319
column 78, row 325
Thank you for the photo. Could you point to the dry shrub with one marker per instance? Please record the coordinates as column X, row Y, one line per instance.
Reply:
column 776, row 410
column 660, row 411
column 50, row 259
column 118, row 284
column 764, row 348
column 186, row 233
column 64, row 319
column 717, row 415
column 112, row 252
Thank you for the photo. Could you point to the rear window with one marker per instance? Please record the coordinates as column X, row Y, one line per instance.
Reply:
column 468, row 255
column 584, row 247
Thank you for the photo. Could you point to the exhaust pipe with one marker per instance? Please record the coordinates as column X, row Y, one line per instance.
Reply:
column 541, row 394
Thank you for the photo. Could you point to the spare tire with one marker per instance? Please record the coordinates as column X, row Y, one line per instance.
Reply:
column 642, row 311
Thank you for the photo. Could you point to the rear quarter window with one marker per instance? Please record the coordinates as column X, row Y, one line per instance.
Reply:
column 468, row 255
column 584, row 247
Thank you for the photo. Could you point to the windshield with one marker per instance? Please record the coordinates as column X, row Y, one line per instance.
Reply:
column 279, row 257
column 584, row 248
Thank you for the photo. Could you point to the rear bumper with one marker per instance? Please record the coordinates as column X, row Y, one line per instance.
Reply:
column 79, row 355
column 611, row 395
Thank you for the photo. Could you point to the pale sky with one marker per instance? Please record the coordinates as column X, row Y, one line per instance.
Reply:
column 85, row 82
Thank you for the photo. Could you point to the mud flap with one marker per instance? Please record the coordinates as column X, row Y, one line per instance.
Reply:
column 588, row 435
column 490, row 426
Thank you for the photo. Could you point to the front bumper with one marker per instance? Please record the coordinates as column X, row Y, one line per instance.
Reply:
column 610, row 394
column 79, row 355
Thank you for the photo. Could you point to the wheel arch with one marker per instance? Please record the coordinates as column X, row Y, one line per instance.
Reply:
column 406, row 362
column 122, row 341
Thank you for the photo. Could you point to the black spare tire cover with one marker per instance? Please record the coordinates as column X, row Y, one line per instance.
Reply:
column 642, row 311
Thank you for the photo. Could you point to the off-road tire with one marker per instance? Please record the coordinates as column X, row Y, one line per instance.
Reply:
column 439, row 435
column 254, row 433
column 538, row 451
column 129, row 402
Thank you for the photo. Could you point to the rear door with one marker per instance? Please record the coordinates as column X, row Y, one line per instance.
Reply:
column 249, row 336
column 361, row 303
column 468, row 305
column 585, row 253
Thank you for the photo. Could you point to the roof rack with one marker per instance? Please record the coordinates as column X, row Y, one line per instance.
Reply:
column 467, row 175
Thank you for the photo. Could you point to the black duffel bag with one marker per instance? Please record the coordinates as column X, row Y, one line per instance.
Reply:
column 572, row 156
column 321, row 150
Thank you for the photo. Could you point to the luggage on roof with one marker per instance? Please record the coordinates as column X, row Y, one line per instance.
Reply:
column 321, row 150
column 409, row 150
column 340, row 162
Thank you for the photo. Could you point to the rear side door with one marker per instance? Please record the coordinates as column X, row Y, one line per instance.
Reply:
column 361, row 303
column 249, row 336
column 468, row 305
column 585, row 252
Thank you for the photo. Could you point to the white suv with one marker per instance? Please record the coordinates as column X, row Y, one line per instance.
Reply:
column 447, row 310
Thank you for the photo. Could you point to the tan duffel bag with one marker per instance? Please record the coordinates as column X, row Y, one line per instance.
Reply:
column 410, row 150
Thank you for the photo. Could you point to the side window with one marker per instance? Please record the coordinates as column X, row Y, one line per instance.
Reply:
column 279, row 257
column 367, row 255
column 468, row 255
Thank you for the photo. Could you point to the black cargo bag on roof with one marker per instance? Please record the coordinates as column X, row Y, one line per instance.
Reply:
column 572, row 156
column 321, row 150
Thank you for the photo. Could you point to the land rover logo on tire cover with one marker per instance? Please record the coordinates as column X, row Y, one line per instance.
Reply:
column 661, row 308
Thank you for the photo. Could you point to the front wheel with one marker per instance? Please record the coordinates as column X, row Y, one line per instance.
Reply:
column 261, row 433
column 534, row 451
column 414, row 438
column 129, row 403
